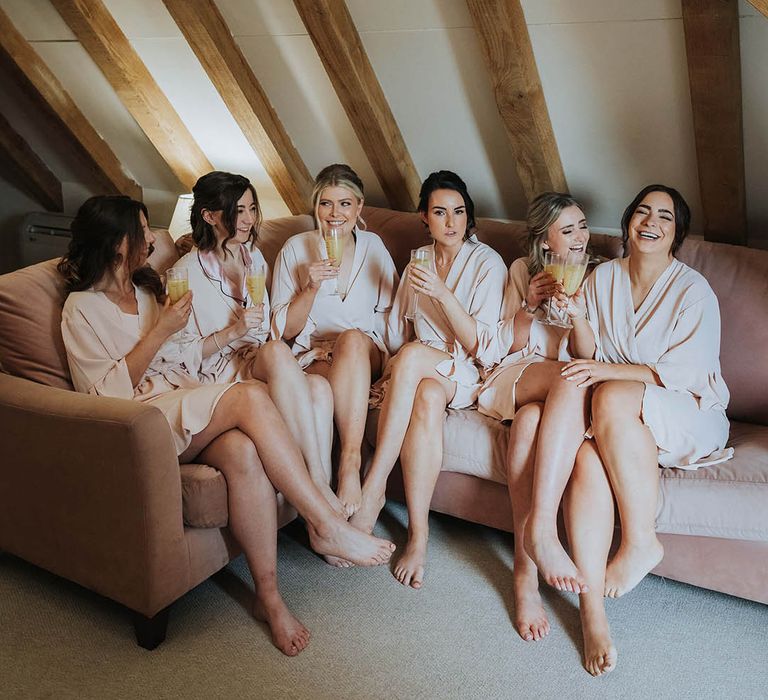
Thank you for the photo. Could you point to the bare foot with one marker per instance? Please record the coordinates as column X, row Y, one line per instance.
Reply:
column 336, row 505
column 288, row 634
column 555, row 565
column 409, row 570
column 600, row 654
column 349, row 491
column 339, row 539
column 368, row 513
column 531, row 621
column 337, row 562
column 630, row 565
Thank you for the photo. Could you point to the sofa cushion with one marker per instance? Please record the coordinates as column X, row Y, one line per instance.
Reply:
column 203, row 496
column 31, row 347
column 738, row 277
column 472, row 443
column 727, row 500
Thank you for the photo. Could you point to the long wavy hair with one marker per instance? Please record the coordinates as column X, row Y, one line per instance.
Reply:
column 448, row 180
column 543, row 211
column 220, row 191
column 337, row 175
column 98, row 229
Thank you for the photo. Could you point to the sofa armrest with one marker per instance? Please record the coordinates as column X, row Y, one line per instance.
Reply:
column 90, row 490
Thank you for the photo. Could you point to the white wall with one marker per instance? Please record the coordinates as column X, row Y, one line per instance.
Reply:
column 614, row 74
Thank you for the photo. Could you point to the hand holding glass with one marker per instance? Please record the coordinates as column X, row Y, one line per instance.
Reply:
column 573, row 274
column 554, row 265
column 334, row 247
column 256, row 283
column 421, row 257
column 177, row 283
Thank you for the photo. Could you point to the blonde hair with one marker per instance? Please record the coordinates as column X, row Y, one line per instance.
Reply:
column 543, row 211
column 337, row 175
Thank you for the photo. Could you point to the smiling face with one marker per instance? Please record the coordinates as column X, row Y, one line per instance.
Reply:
column 446, row 217
column 568, row 233
column 338, row 207
column 651, row 228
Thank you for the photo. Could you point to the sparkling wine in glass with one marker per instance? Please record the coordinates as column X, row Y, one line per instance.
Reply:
column 177, row 283
column 573, row 273
column 554, row 264
column 256, row 283
column 421, row 257
column 334, row 248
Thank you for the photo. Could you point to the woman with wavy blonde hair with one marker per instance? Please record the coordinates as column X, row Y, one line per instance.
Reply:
column 334, row 312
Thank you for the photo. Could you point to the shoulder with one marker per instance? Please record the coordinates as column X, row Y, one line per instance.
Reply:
column 80, row 303
column 608, row 269
column 519, row 269
column 299, row 245
column 373, row 243
column 487, row 257
column 691, row 283
column 188, row 260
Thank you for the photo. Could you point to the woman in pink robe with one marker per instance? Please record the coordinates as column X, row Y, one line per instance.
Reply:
column 232, row 332
column 341, row 335
column 450, row 344
column 651, row 343
column 120, row 334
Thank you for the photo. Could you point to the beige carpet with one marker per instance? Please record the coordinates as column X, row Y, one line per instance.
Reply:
column 373, row 638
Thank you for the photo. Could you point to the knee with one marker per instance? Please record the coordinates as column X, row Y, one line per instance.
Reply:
column 253, row 396
column 352, row 341
column 276, row 353
column 320, row 392
column 527, row 419
column 240, row 457
column 430, row 398
column 615, row 400
column 407, row 360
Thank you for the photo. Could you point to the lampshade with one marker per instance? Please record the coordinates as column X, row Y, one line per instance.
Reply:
column 180, row 221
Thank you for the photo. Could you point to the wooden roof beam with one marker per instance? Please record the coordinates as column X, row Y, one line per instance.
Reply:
column 508, row 52
column 338, row 44
column 102, row 38
column 761, row 5
column 35, row 78
column 33, row 176
column 213, row 44
column 714, row 72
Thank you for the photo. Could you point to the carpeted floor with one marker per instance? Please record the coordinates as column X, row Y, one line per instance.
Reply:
column 372, row 638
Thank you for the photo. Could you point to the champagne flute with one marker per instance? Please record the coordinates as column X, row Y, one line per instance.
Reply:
column 177, row 282
column 554, row 264
column 334, row 247
column 422, row 257
column 256, row 283
column 573, row 273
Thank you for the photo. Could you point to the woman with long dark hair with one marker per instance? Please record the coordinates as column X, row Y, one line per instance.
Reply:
column 448, row 341
column 116, row 325
column 232, row 331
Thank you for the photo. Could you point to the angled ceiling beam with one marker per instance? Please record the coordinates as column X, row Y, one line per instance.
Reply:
column 714, row 72
column 102, row 38
column 338, row 44
column 506, row 45
column 213, row 44
column 32, row 174
column 761, row 5
column 34, row 77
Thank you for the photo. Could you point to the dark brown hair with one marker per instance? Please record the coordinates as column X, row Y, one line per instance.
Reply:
column 98, row 229
column 220, row 191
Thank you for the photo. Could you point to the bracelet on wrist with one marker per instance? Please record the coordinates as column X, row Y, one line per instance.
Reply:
column 525, row 307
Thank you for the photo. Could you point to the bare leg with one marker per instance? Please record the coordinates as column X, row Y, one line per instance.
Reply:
column 253, row 522
column 413, row 363
column 356, row 359
column 561, row 432
column 247, row 406
column 289, row 389
column 421, row 459
column 631, row 459
column 531, row 621
column 588, row 507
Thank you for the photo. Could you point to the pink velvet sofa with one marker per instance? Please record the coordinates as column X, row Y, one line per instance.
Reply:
column 90, row 487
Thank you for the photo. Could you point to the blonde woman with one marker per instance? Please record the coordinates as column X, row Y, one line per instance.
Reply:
column 549, row 418
column 335, row 316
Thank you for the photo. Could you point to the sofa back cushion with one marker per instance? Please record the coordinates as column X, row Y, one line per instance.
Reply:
column 31, row 300
column 739, row 278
